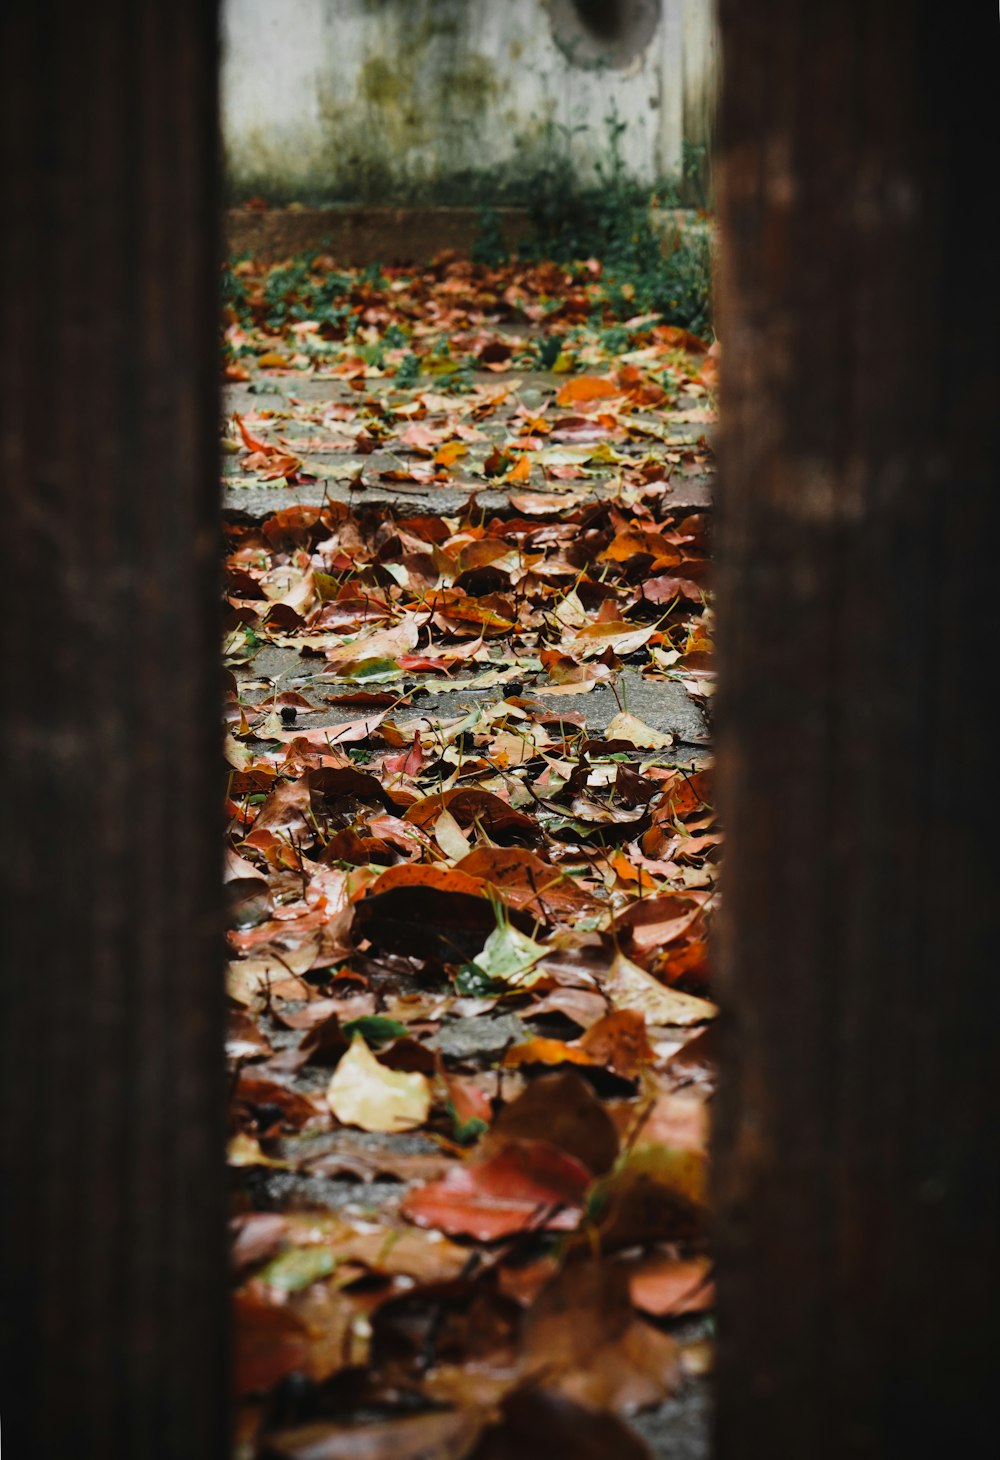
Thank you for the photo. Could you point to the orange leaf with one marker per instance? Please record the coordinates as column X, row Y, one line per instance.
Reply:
column 619, row 1042
column 585, row 388
column 546, row 1052
column 450, row 452
column 252, row 443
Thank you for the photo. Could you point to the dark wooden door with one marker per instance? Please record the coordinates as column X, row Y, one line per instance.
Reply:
column 112, row 1220
column 856, row 1151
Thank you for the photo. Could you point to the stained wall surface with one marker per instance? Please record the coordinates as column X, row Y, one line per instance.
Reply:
column 459, row 101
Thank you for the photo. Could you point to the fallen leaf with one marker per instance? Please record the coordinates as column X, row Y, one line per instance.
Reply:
column 563, row 1110
column 631, row 987
column 430, row 912
column 440, row 1435
column 626, row 727
column 668, row 1287
column 271, row 1341
column 450, row 837
column 526, row 881
column 364, row 1093
column 657, row 1193
column 583, row 389
column 538, row 1423
column 520, row 1186
column 582, row 1338
column 509, row 955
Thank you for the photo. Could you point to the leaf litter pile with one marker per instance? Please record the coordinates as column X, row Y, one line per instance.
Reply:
column 470, row 887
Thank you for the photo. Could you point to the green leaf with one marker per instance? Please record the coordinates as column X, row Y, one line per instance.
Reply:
column 466, row 1131
column 472, row 983
column 374, row 1028
column 373, row 670
column 297, row 1268
column 509, row 955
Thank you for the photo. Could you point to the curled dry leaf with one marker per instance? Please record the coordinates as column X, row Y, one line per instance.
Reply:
column 619, row 1043
column 656, row 921
column 635, row 732
column 631, row 987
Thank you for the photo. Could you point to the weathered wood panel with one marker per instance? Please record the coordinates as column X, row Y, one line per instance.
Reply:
column 112, row 1221
column 857, row 1148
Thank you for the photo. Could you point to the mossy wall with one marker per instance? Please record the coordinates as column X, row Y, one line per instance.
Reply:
column 458, row 101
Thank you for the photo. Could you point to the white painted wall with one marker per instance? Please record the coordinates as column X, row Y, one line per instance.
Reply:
column 448, row 100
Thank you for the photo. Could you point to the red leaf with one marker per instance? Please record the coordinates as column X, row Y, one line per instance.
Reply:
column 525, row 1186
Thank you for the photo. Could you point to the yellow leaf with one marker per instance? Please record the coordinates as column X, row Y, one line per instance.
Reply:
column 450, row 837
column 365, row 1093
column 636, row 732
column 631, row 987
column 244, row 1150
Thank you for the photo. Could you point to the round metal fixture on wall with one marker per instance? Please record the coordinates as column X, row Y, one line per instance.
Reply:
column 596, row 33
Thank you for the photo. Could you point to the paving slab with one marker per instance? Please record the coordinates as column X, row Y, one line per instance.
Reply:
column 249, row 504
column 662, row 704
column 356, row 478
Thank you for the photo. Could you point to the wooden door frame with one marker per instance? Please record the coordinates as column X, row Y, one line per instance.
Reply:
column 855, row 1152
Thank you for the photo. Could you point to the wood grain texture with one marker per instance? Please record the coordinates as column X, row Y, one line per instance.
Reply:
column 112, row 1234
column 856, row 1148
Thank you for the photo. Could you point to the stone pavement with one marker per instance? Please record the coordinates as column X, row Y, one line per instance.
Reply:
column 664, row 705
column 345, row 1173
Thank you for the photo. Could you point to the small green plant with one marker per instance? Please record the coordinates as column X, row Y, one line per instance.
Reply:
column 234, row 291
column 408, row 371
column 489, row 247
column 614, row 222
